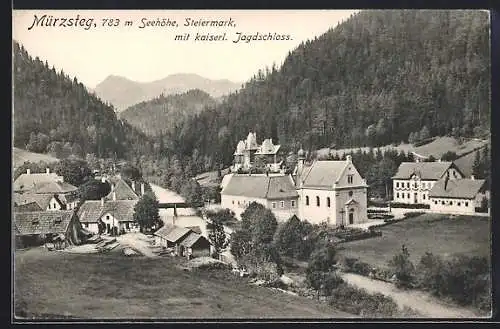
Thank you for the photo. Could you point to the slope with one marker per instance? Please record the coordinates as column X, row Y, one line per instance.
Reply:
column 162, row 113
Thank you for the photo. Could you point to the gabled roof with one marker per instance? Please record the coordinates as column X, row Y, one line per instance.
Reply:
column 27, row 182
column 54, row 188
column 32, row 206
column 268, row 147
column 177, row 234
column 426, row 170
column 164, row 230
column 192, row 238
column 42, row 222
column 457, row 188
column 42, row 200
column 323, row 174
column 123, row 192
column 261, row 186
column 92, row 210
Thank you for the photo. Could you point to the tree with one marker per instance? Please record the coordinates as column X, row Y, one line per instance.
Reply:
column 290, row 237
column 449, row 156
column 424, row 133
column 74, row 171
column 146, row 212
column 320, row 267
column 93, row 190
column 130, row 172
column 222, row 216
column 402, row 267
column 218, row 237
column 241, row 243
column 477, row 169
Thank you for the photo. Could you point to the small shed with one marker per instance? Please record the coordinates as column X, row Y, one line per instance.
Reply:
column 195, row 245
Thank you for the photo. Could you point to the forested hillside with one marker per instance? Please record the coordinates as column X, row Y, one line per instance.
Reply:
column 57, row 115
column 375, row 79
column 161, row 113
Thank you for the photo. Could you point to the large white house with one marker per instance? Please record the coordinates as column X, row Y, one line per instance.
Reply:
column 324, row 191
column 414, row 180
column 331, row 191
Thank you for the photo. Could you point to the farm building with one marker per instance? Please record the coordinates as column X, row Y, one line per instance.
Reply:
column 461, row 196
column 120, row 190
column 110, row 217
column 414, row 180
column 43, row 202
column 185, row 241
column 38, row 227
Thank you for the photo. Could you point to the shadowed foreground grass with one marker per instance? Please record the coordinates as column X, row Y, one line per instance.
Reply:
column 93, row 286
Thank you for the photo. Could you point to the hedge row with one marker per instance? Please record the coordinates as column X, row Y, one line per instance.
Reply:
column 410, row 205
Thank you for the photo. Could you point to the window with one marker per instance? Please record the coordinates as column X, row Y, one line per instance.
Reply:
column 307, row 200
column 458, row 204
column 408, row 195
column 127, row 226
column 435, row 202
column 328, row 202
column 397, row 184
column 350, row 179
column 442, row 202
column 423, row 196
column 86, row 224
column 274, row 205
column 282, row 204
column 107, row 216
column 49, row 205
column 451, row 203
column 407, row 184
column 350, row 193
column 397, row 195
column 293, row 203
column 466, row 204
column 317, row 201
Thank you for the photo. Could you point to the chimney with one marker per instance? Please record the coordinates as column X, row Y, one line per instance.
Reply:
column 28, row 171
column 112, row 186
column 103, row 179
column 102, row 202
column 348, row 158
column 114, row 196
column 47, row 170
column 142, row 188
column 133, row 185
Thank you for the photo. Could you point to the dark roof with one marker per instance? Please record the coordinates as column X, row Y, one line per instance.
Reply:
column 177, row 234
column 42, row 222
column 91, row 210
column 27, row 182
column 164, row 231
column 195, row 229
column 54, row 187
column 191, row 239
column 123, row 191
column 32, row 206
column 42, row 200
column 457, row 188
column 323, row 174
column 261, row 186
column 426, row 170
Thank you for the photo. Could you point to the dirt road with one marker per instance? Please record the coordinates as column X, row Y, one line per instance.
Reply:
column 420, row 301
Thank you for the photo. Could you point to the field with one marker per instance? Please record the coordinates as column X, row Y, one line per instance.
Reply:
column 111, row 286
column 19, row 156
column 438, row 234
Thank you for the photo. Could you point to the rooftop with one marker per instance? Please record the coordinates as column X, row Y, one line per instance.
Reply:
column 42, row 222
column 426, row 170
column 91, row 210
column 322, row 174
column 457, row 188
column 260, row 186
column 26, row 182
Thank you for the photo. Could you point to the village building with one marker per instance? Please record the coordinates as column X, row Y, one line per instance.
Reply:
column 108, row 217
column 28, row 181
column 65, row 193
column 184, row 241
column 249, row 154
column 458, row 196
column 120, row 190
column 38, row 227
column 276, row 193
column 332, row 192
column 43, row 202
column 414, row 180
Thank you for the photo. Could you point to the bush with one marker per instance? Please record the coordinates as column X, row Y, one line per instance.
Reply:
column 413, row 214
column 410, row 205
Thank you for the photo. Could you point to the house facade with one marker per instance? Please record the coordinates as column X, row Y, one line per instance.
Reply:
column 276, row 193
column 108, row 217
column 460, row 196
column 413, row 181
column 331, row 191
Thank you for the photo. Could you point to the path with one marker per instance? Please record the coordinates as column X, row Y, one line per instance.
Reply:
column 420, row 301
column 166, row 196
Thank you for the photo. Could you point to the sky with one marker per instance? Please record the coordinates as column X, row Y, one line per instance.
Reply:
column 147, row 53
